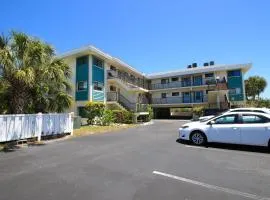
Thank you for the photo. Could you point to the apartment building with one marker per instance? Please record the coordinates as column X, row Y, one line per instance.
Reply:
column 97, row 76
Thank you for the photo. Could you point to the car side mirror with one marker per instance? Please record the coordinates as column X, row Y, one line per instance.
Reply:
column 212, row 122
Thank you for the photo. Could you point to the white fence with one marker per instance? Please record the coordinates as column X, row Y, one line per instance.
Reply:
column 23, row 126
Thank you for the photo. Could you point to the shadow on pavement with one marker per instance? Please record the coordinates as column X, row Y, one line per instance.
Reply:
column 236, row 147
column 13, row 146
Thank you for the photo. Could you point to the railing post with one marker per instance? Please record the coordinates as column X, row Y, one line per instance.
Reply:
column 71, row 120
column 39, row 122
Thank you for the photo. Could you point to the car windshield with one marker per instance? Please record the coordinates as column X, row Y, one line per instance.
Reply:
column 207, row 119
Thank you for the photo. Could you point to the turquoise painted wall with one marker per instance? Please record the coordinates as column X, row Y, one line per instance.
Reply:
column 98, row 76
column 82, row 70
column 235, row 82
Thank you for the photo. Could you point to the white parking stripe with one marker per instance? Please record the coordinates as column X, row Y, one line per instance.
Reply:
column 212, row 187
column 227, row 150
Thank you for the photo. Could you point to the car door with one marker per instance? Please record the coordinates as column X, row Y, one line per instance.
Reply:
column 255, row 129
column 225, row 129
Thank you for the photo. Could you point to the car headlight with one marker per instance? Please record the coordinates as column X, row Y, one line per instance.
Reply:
column 185, row 126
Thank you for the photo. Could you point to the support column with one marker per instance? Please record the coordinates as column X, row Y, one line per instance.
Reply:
column 90, row 78
column 106, row 68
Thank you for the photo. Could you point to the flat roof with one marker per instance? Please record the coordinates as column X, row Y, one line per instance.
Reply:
column 196, row 70
column 183, row 71
column 92, row 49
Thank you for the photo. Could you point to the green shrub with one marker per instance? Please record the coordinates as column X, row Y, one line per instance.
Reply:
column 198, row 110
column 94, row 110
column 151, row 113
column 107, row 118
column 123, row 116
column 259, row 103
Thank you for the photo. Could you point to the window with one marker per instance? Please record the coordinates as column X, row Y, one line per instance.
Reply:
column 163, row 95
column 98, row 86
column 234, row 73
column 164, row 81
column 197, row 80
column 112, row 68
column 82, row 60
column 228, row 119
column 175, row 79
column 253, row 119
column 198, row 96
column 209, row 75
column 237, row 90
column 175, row 94
column 97, row 62
column 112, row 88
column 82, row 85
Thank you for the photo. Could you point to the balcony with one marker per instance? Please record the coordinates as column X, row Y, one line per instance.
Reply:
column 131, row 80
column 177, row 84
column 180, row 100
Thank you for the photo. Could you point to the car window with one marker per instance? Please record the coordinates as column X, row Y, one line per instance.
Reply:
column 253, row 119
column 228, row 119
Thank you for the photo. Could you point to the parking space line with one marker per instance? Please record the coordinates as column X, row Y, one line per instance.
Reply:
column 212, row 187
column 227, row 150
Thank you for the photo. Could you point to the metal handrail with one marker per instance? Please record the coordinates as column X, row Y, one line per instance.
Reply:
column 179, row 99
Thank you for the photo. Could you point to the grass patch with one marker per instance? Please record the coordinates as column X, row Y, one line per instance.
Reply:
column 92, row 129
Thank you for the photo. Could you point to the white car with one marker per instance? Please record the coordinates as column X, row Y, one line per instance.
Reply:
column 258, row 110
column 248, row 128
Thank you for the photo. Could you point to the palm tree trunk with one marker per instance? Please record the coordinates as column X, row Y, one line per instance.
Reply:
column 18, row 101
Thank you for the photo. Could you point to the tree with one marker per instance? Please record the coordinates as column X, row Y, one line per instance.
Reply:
column 254, row 86
column 32, row 79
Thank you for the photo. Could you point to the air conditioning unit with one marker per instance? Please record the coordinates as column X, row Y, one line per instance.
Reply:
column 194, row 65
column 206, row 64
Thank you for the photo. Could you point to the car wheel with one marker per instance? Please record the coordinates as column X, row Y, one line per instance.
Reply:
column 198, row 138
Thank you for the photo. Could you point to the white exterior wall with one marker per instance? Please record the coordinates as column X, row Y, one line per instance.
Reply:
column 71, row 61
column 221, row 74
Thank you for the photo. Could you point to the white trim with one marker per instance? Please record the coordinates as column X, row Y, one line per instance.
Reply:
column 213, row 68
column 91, row 49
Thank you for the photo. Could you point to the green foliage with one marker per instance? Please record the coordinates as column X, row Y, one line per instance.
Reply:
column 94, row 110
column 198, row 110
column 181, row 109
column 32, row 79
column 122, row 116
column 107, row 118
column 260, row 103
column 151, row 113
column 254, row 86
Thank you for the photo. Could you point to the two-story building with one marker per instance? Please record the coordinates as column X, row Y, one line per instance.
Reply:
column 97, row 76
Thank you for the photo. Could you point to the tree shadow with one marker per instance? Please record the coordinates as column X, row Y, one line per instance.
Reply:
column 13, row 146
column 236, row 147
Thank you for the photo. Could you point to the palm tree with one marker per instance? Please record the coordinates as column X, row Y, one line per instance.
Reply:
column 254, row 86
column 32, row 79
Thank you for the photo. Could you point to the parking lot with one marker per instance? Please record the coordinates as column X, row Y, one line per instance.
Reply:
column 144, row 162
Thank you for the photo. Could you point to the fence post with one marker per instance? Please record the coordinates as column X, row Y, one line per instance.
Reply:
column 71, row 119
column 39, row 119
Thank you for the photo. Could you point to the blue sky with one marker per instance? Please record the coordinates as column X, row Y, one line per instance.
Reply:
column 152, row 35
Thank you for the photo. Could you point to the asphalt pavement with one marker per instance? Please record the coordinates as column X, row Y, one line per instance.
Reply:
column 144, row 162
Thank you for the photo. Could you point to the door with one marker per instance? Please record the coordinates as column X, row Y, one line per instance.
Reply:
column 225, row 130
column 255, row 130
